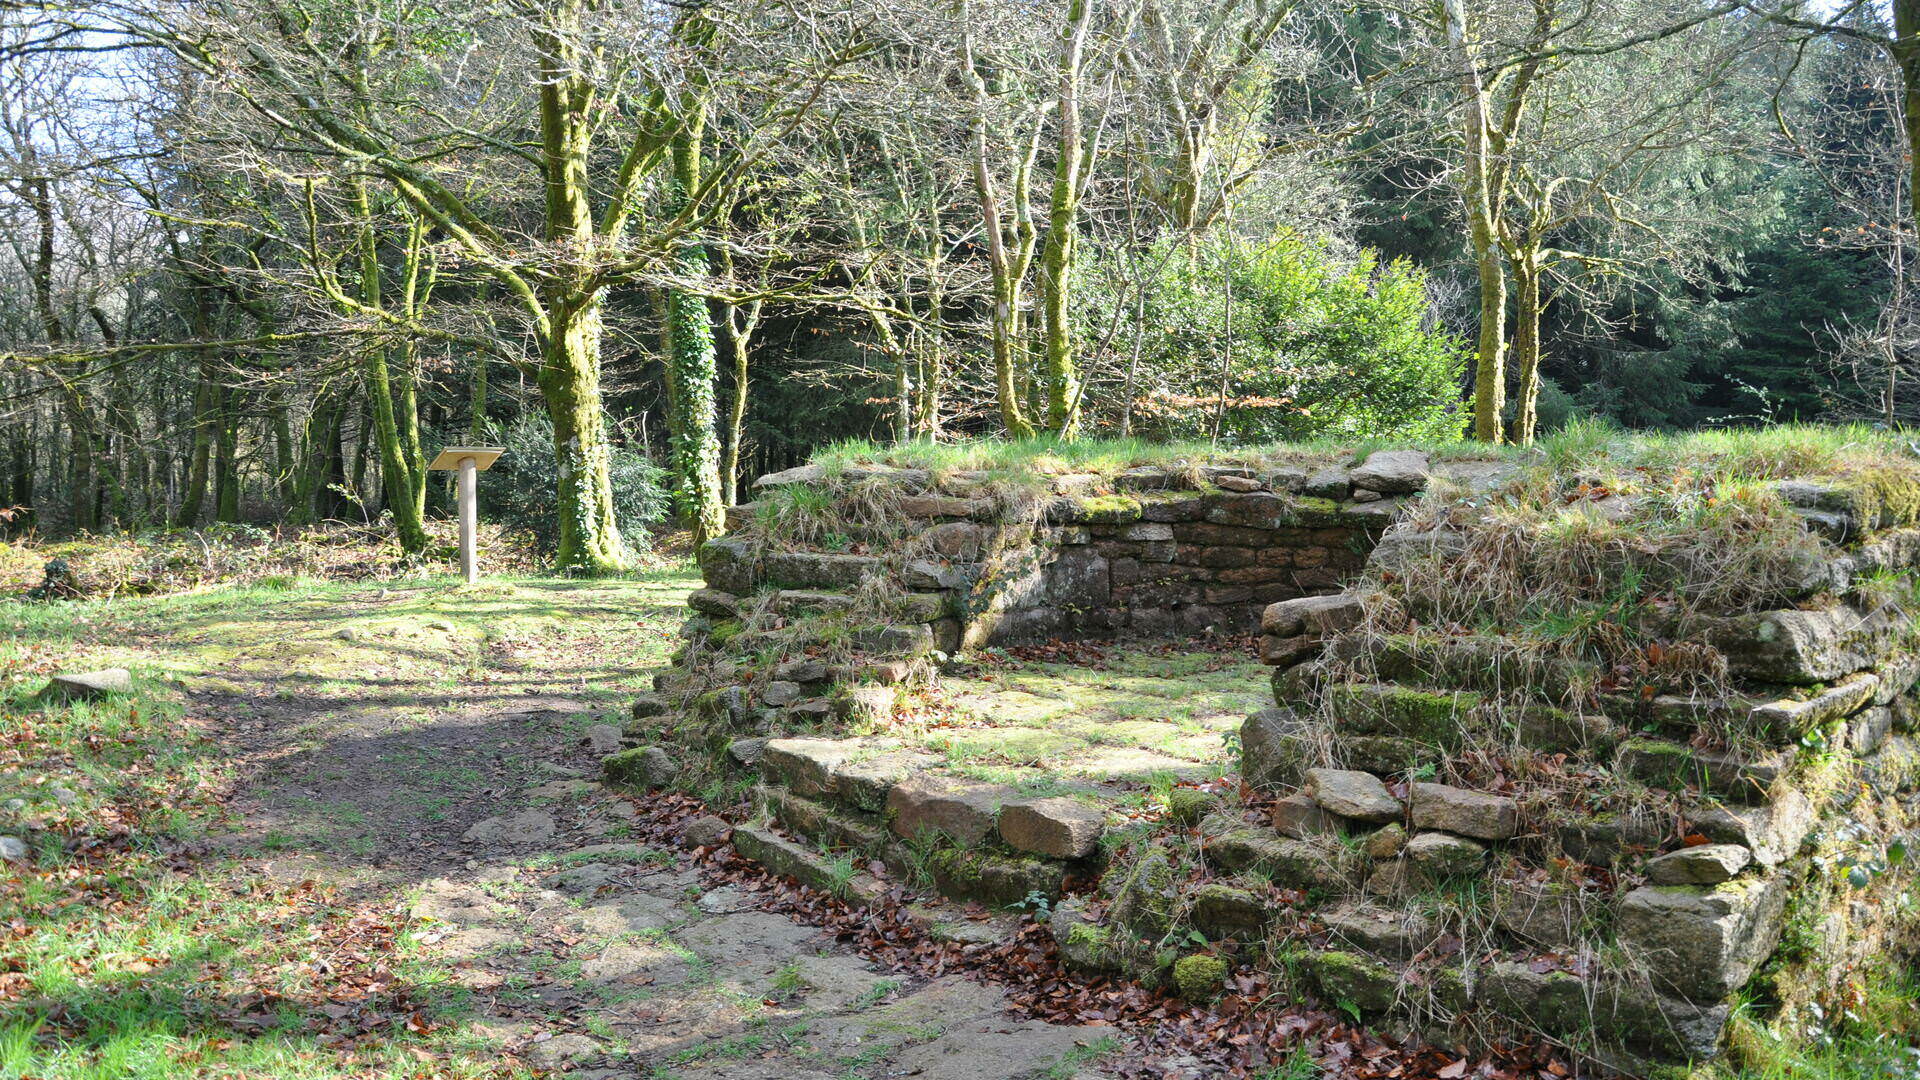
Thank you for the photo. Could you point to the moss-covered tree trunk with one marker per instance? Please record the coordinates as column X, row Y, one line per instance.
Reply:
column 589, row 536
column 692, row 366
column 1007, row 262
column 1526, row 342
column 1063, row 228
column 226, row 469
column 571, row 298
column 396, row 424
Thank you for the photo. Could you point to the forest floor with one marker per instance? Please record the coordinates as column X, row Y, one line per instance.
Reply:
column 355, row 830
column 349, row 830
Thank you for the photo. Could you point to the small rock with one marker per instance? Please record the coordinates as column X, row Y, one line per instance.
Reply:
column 12, row 849
column 1300, row 817
column 1392, row 472
column 560, row 1051
column 1312, row 615
column 724, row 901
column 1186, row 805
column 645, row 767
column 1060, row 828
column 561, row 789
column 1274, row 746
column 1353, row 794
column 603, row 738
column 705, row 831
column 1198, row 978
column 1387, row 842
column 1238, row 483
column 747, row 752
column 1439, row 854
column 90, row 685
column 1328, row 483
column 1364, row 495
column 780, row 692
column 1707, row 864
column 525, row 827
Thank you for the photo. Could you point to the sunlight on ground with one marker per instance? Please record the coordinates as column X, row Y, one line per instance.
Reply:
column 140, row 951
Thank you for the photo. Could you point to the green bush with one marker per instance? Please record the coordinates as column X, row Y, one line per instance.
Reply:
column 1314, row 344
column 520, row 493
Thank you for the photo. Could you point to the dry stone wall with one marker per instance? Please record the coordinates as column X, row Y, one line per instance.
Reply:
column 1618, row 858
column 1449, row 828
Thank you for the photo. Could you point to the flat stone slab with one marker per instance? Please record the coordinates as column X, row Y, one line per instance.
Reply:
column 1706, row 864
column 1058, row 827
column 994, row 1049
column 525, row 828
column 962, row 811
column 1463, row 812
column 1352, row 794
column 90, row 685
column 1392, row 472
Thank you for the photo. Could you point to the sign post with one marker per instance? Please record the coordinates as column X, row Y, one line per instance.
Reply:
column 469, row 462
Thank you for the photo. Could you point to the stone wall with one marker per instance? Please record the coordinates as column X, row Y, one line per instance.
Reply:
column 1450, row 828
column 1673, row 848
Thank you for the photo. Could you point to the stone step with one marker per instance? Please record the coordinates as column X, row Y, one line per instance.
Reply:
column 1485, row 662
column 787, row 859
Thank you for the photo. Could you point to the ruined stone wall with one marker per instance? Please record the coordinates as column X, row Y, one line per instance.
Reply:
column 833, row 625
column 1633, row 855
column 1449, row 825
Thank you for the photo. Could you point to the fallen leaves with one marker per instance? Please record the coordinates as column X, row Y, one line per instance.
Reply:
column 1248, row 1030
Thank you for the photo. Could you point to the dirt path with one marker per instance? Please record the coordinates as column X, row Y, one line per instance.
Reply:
column 440, row 761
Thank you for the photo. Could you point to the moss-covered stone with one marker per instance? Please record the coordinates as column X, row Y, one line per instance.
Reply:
column 1434, row 716
column 1224, row 911
column 1186, row 806
column 993, row 878
column 1297, row 864
column 1199, row 977
column 642, row 768
column 1106, row 510
column 1352, row 978
column 1144, row 900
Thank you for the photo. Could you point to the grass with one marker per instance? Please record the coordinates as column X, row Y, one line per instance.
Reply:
column 137, row 952
column 1877, row 1037
column 1785, row 450
column 1142, row 714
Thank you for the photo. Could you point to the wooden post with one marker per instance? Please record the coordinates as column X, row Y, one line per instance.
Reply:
column 469, row 462
column 469, row 519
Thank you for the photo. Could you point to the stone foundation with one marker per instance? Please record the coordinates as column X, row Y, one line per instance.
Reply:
column 1446, row 828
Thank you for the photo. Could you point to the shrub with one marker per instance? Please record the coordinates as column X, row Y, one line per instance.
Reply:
column 1315, row 344
column 520, row 491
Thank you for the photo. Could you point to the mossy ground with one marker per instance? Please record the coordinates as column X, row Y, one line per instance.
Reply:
column 165, row 929
column 1119, row 718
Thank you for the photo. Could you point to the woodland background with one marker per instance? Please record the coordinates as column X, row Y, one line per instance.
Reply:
column 264, row 257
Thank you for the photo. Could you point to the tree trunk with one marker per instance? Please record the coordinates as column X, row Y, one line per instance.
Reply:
column 1480, row 198
column 740, row 325
column 403, row 474
column 693, row 368
column 569, row 378
column 226, row 470
column 1489, row 372
column 1906, row 56
column 1063, row 221
column 205, row 401
column 1006, row 266
column 1526, row 345
column 589, row 536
